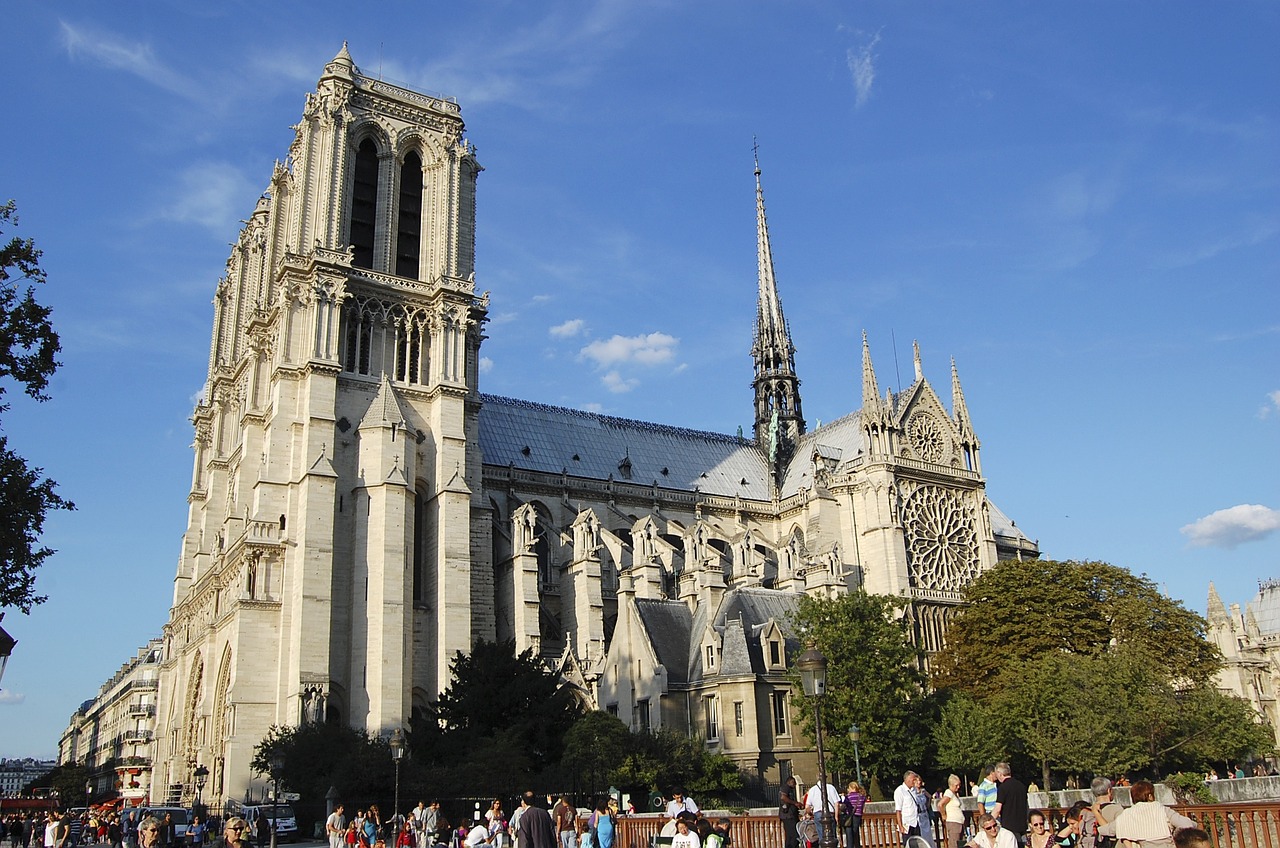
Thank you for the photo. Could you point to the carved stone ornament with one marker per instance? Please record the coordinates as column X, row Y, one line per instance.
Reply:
column 927, row 438
column 942, row 547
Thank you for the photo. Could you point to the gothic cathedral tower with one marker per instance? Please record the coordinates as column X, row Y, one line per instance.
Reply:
column 325, row 572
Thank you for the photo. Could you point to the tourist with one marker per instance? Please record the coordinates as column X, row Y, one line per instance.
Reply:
column 1011, row 803
column 789, row 813
column 905, row 810
column 680, row 804
column 1103, row 810
column 824, row 802
column 536, row 830
column 855, row 799
column 1040, row 835
column 336, row 827
column 991, row 835
column 149, row 832
column 951, row 811
column 1148, row 823
column 1192, row 837
column 565, row 816
column 685, row 837
column 234, row 834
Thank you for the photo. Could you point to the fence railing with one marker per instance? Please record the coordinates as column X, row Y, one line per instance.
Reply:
column 1252, row 825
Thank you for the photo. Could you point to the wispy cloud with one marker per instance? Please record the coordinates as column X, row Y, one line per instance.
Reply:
column 569, row 329
column 486, row 365
column 118, row 53
column 1258, row 234
column 1233, row 526
column 214, row 195
column 862, row 67
column 651, row 349
column 1272, row 406
column 8, row 697
column 562, row 48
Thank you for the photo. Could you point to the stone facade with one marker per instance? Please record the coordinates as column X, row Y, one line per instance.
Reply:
column 359, row 511
column 1249, row 640
column 112, row 734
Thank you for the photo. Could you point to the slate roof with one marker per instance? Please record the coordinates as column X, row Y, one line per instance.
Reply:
column 840, row 440
column 668, row 625
column 1002, row 525
column 553, row 436
column 1265, row 607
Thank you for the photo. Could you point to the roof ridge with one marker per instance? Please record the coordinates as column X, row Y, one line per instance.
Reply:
column 619, row 422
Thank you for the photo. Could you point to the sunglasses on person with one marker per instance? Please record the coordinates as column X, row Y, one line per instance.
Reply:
column 991, row 827
column 237, row 828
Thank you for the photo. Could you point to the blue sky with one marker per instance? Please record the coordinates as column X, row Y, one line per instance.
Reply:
column 1078, row 201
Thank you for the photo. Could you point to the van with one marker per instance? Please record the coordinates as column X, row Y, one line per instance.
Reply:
column 282, row 815
column 180, row 816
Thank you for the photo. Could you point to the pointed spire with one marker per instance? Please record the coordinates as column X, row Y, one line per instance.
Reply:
column 870, row 388
column 341, row 66
column 779, row 420
column 915, row 356
column 385, row 411
column 1217, row 612
column 959, row 409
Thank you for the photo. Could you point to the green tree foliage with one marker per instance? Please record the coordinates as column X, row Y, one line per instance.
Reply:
column 1021, row 610
column 663, row 760
column 318, row 756
column 593, row 747
column 28, row 355
column 1084, row 668
column 968, row 736
column 493, row 689
column 873, row 681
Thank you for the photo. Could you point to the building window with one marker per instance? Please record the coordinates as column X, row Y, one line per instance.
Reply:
column 612, row 709
column 364, row 204
column 713, row 717
column 775, row 652
column 779, row 704
column 737, row 718
column 711, row 656
column 409, row 230
column 640, row 715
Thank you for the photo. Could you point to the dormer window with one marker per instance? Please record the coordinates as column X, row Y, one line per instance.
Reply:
column 775, row 651
column 711, row 657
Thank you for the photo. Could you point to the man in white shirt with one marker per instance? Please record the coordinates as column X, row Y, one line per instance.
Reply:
column 904, row 807
column 992, row 835
column 336, row 827
column 813, row 803
column 680, row 804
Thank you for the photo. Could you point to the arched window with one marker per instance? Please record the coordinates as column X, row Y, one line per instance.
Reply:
column 364, row 204
column 409, row 229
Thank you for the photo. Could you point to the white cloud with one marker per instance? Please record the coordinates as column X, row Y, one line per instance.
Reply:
column 1272, row 406
column 592, row 407
column 569, row 329
column 7, row 697
column 651, row 349
column 215, row 195
column 486, row 365
column 616, row 383
column 1233, row 526
column 115, row 52
column 862, row 68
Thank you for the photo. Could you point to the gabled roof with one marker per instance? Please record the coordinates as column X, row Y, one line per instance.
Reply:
column 842, row 439
column 668, row 625
column 742, row 653
column 551, row 439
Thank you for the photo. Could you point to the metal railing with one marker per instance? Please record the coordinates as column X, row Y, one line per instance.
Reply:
column 1251, row 825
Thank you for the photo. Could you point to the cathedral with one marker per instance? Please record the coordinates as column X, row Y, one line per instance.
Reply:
column 360, row 511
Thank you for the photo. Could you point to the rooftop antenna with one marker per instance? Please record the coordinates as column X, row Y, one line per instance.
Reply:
column 896, row 373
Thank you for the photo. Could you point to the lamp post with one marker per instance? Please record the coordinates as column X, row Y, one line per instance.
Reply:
column 855, row 734
column 812, row 666
column 397, row 754
column 277, row 765
column 201, row 775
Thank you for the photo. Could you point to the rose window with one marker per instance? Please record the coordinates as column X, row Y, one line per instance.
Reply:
column 942, row 549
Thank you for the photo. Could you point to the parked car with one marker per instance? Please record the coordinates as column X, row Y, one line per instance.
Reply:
column 281, row 815
column 180, row 816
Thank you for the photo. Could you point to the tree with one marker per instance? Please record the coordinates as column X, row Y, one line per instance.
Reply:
column 873, row 680
column 1021, row 610
column 28, row 355
column 666, row 759
column 594, row 746
column 1087, row 669
column 494, row 689
column 969, row 736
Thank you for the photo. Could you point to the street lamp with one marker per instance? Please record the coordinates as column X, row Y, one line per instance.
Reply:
column 277, row 765
column 397, row 754
column 202, row 775
column 812, row 666
column 855, row 734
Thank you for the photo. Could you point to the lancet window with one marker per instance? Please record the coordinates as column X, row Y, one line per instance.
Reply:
column 409, row 227
column 364, row 204
column 378, row 337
